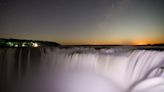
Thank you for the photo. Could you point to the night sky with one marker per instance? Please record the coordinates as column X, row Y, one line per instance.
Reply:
column 89, row 22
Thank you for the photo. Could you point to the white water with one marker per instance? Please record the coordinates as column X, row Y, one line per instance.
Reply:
column 130, row 70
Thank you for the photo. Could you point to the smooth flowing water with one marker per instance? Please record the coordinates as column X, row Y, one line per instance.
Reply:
column 120, row 69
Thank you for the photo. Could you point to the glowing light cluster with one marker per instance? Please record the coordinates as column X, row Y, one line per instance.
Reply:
column 35, row 44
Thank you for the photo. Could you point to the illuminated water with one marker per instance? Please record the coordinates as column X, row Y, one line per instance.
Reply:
column 121, row 69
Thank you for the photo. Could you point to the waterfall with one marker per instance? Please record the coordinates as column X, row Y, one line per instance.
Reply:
column 127, row 67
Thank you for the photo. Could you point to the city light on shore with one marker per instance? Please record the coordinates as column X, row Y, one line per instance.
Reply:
column 35, row 45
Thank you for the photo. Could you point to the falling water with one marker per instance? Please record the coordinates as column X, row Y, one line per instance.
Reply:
column 126, row 67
